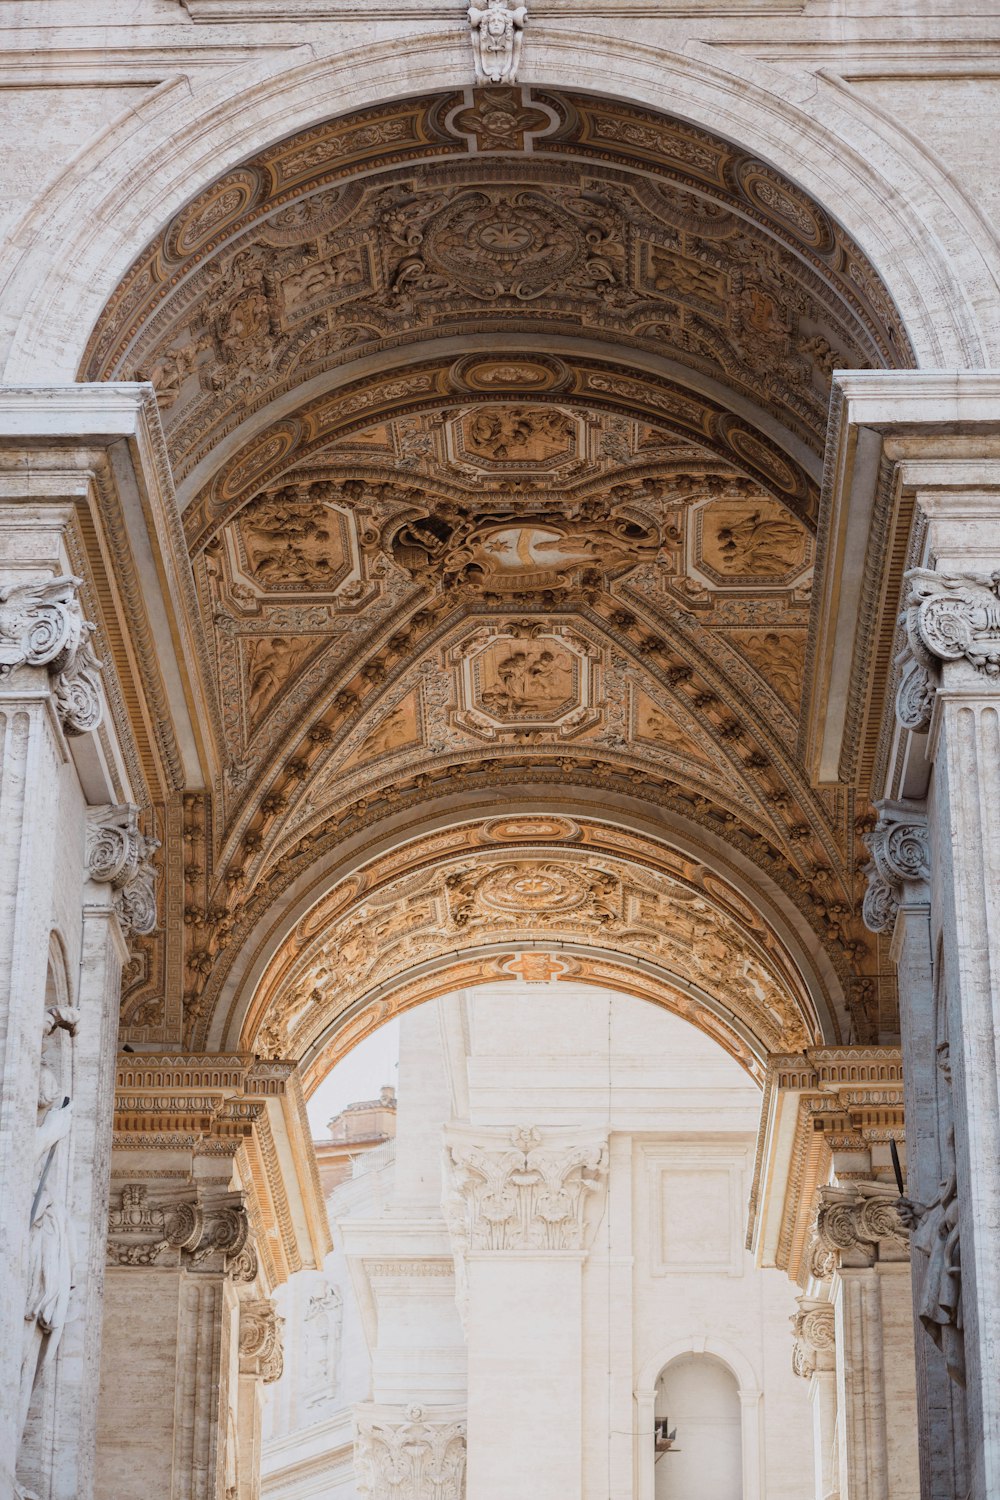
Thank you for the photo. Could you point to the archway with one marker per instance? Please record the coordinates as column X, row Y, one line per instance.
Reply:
column 497, row 423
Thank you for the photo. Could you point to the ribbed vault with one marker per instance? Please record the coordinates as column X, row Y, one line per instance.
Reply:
column 497, row 428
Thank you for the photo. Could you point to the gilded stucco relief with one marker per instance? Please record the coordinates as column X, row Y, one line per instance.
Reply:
column 695, row 931
column 570, row 549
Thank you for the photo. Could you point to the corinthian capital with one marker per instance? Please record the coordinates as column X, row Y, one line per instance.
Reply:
column 949, row 617
column 515, row 1190
column 42, row 625
column 900, row 858
column 261, row 1353
column 813, row 1332
column 859, row 1224
column 416, row 1451
column 120, row 855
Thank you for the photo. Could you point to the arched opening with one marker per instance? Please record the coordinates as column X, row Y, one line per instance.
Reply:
column 699, row 1439
column 554, row 1184
column 497, row 421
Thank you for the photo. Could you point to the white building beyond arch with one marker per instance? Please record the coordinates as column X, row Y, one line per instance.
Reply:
column 648, row 1129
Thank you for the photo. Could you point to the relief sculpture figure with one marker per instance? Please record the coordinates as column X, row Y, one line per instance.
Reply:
column 935, row 1233
column 50, row 1250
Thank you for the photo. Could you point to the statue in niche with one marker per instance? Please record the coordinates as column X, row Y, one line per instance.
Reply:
column 50, row 1249
column 934, row 1231
column 323, row 1320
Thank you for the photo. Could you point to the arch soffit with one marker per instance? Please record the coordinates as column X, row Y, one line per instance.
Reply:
column 602, row 968
column 925, row 237
column 236, row 998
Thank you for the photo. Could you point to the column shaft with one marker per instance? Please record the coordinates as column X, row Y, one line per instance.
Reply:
column 965, row 809
column 29, row 810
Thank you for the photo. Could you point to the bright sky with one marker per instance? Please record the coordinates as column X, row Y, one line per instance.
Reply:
column 358, row 1076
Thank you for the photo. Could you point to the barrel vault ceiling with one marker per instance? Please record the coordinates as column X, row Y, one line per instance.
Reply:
column 497, row 420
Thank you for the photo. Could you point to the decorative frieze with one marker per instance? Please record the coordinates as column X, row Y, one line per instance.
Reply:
column 813, row 1331
column 181, row 1231
column 497, row 30
column 120, row 855
column 519, row 1191
column 416, row 1451
column 261, row 1353
column 900, row 857
column 859, row 1223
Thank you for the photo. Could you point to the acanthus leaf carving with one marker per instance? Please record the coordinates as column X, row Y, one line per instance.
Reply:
column 120, row 855
column 180, row 1231
column 900, row 858
column 951, row 617
column 416, row 1451
column 524, row 1192
column 860, row 1223
column 813, row 1330
column 261, row 1351
column 42, row 625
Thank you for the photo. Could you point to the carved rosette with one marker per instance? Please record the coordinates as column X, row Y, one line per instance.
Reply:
column 42, row 625
column 180, row 1232
column 859, row 1224
column 814, row 1334
column 413, row 1451
column 900, row 858
column 119, row 855
column 261, row 1353
column 525, row 1192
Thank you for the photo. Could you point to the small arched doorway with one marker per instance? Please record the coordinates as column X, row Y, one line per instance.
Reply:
column 698, row 1431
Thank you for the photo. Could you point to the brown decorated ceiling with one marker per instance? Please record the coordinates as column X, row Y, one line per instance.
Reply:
column 496, row 418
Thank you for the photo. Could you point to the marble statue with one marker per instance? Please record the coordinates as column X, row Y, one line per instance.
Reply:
column 50, row 1252
column 935, row 1233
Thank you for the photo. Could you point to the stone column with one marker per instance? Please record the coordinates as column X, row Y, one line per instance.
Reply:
column 261, row 1363
column 814, row 1359
column 118, row 901
column 522, row 1211
column 49, row 688
column 858, row 1225
column 412, row 1451
column 951, row 689
column 898, row 903
column 177, row 1260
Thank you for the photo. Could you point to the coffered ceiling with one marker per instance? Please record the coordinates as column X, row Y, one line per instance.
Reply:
column 497, row 421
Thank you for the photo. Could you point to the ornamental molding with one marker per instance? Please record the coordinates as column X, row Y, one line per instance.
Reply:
column 858, row 1224
column 42, row 625
column 497, row 33
column 518, row 1190
column 814, row 1334
column 261, row 1352
column 120, row 855
column 176, row 1229
column 416, row 1451
column 900, row 860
